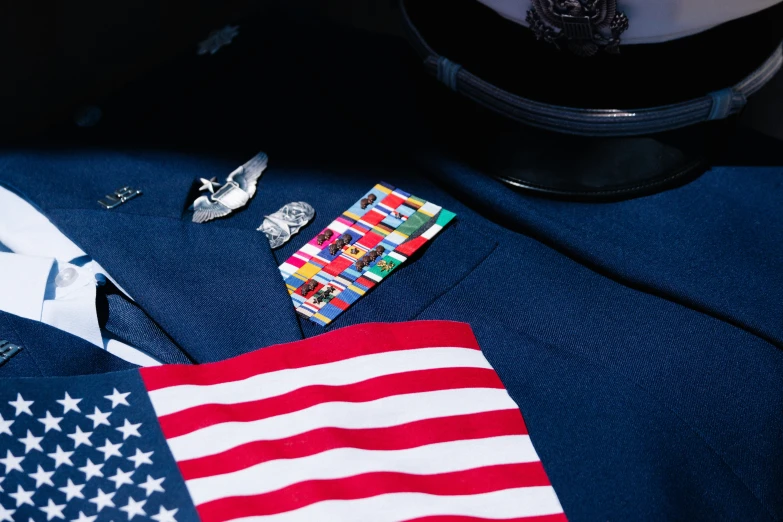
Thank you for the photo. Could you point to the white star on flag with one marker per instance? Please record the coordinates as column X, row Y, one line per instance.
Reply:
column 92, row 470
column 85, row 518
column 129, row 430
column 454, row 442
column 141, row 458
column 110, row 450
column 21, row 405
column 122, row 477
column 53, row 510
column 102, row 500
column 5, row 426
column 72, row 490
column 11, row 462
column 1, row 481
column 165, row 515
column 22, row 497
column 5, row 514
column 31, row 443
column 117, row 398
column 80, row 437
column 70, row 404
column 99, row 417
column 133, row 508
column 42, row 477
column 61, row 457
column 51, row 423
column 152, row 485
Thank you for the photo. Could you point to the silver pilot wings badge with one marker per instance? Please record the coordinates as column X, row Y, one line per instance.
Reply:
column 240, row 186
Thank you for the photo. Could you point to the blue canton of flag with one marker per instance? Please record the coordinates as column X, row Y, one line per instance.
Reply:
column 86, row 449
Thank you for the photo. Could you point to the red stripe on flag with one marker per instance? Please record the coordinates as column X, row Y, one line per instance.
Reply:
column 365, row 339
column 404, row 436
column 418, row 381
column 470, row 482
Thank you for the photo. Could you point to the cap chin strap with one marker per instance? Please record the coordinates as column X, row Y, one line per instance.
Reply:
column 593, row 122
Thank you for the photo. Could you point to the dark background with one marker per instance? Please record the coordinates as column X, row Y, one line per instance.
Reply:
column 57, row 58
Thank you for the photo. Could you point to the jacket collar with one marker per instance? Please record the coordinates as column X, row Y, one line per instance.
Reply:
column 47, row 351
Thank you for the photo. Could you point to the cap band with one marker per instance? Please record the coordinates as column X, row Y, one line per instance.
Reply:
column 593, row 122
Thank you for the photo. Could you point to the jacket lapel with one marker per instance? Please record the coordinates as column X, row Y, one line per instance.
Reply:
column 214, row 288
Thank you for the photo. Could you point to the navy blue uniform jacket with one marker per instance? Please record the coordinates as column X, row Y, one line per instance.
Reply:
column 641, row 339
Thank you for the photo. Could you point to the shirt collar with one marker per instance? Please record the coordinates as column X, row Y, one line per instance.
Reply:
column 23, row 282
column 33, row 252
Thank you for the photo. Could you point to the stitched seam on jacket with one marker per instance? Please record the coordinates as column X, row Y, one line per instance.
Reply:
column 456, row 284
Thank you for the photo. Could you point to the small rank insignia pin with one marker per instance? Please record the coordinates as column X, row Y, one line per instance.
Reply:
column 235, row 193
column 280, row 226
column 386, row 266
column 8, row 350
column 118, row 197
column 364, row 245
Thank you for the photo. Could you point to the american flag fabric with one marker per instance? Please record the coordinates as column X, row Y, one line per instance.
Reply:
column 369, row 423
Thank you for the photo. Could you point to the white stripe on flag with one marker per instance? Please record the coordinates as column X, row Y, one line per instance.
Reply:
column 509, row 503
column 348, row 371
column 389, row 411
column 444, row 457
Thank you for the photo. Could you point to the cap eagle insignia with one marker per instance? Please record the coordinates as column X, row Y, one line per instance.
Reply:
column 583, row 26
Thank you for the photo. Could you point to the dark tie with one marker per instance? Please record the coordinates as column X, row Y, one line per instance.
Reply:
column 126, row 322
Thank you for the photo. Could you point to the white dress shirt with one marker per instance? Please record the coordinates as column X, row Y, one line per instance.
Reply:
column 45, row 277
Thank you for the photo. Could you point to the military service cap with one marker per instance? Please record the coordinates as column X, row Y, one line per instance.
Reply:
column 612, row 82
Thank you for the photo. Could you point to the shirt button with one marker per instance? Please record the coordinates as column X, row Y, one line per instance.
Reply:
column 66, row 277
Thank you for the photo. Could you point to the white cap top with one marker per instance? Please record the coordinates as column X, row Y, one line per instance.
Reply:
column 653, row 21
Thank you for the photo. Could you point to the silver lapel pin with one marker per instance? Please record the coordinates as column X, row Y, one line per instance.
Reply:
column 240, row 186
column 281, row 225
column 118, row 197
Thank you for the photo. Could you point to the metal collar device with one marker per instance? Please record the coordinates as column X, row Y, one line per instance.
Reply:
column 8, row 350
